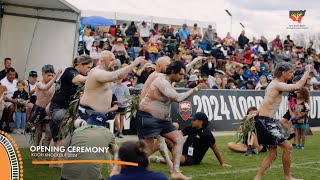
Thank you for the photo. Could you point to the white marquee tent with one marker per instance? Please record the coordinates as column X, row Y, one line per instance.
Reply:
column 35, row 33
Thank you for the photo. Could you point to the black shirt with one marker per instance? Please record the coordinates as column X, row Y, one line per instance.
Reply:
column 3, row 74
column 20, row 96
column 200, row 140
column 143, row 78
column 65, row 89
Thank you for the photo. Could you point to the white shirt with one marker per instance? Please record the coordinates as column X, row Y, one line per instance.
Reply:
column 11, row 87
column 144, row 31
column 32, row 86
column 89, row 42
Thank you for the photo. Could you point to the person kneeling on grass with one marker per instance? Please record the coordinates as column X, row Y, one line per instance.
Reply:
column 250, row 143
column 197, row 144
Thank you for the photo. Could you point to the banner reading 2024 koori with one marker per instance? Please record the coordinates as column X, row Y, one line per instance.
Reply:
column 226, row 107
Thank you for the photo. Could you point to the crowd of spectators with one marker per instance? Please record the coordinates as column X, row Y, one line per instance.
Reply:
column 227, row 63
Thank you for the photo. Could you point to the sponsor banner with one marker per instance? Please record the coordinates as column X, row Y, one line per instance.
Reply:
column 225, row 108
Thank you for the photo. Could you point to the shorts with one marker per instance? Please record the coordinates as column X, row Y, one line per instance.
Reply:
column 149, row 126
column 121, row 111
column 37, row 114
column 268, row 132
column 287, row 115
column 300, row 126
column 57, row 115
column 189, row 160
column 86, row 111
column 7, row 104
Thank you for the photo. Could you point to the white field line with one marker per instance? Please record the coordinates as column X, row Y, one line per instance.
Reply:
column 256, row 169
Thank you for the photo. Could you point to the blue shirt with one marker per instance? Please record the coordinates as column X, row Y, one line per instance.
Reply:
column 134, row 173
column 184, row 34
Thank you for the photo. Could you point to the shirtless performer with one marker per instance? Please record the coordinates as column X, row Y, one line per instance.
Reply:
column 44, row 89
column 152, row 119
column 267, row 131
column 97, row 95
column 160, row 70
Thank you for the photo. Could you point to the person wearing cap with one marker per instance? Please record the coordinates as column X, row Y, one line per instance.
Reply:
column 31, row 89
column 195, row 32
column 199, row 140
column 120, row 51
column 143, row 74
column 38, row 115
column 228, row 40
column 92, row 135
column 249, row 85
column 253, row 74
column 192, row 81
column 184, row 32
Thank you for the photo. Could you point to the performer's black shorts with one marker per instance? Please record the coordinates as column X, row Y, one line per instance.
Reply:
column 149, row 126
column 121, row 110
column 37, row 114
column 268, row 132
column 287, row 115
column 86, row 111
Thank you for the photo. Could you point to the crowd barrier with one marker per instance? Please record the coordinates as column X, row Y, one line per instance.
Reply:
column 225, row 108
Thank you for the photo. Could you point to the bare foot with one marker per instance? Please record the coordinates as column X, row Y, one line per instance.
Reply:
column 180, row 176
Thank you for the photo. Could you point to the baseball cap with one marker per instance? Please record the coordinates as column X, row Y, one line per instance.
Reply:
column 193, row 78
column 33, row 74
column 119, row 40
column 184, row 25
column 200, row 116
column 250, row 82
column 210, row 26
column 195, row 24
column 253, row 68
column 97, row 118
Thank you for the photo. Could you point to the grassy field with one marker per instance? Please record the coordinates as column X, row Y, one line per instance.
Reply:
column 305, row 164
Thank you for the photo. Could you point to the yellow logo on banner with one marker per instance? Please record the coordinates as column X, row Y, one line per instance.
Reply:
column 10, row 158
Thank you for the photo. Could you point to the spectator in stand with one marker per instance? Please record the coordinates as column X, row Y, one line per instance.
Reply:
column 94, row 52
column 195, row 32
column 277, row 43
column 184, row 52
column 144, row 52
column 184, row 32
column 120, row 51
column 106, row 46
column 208, row 37
column 153, row 51
column 243, row 40
column 169, row 34
column 118, row 31
column 3, row 93
column 31, row 84
column 253, row 74
column 123, row 29
column 256, row 63
column 247, row 56
column 218, row 82
column 192, row 81
column 11, row 84
column 216, row 39
column 208, row 67
column 228, row 40
column 89, row 41
column 143, row 74
column 239, row 77
column 196, row 50
column 231, row 84
column 132, row 29
column 159, row 36
column 313, row 79
column 264, row 43
column 113, row 31
column 144, row 29
column 309, row 48
column 106, row 38
column 262, row 84
column 288, row 43
column 7, row 64
column 136, row 40
column 155, row 29
column 249, row 85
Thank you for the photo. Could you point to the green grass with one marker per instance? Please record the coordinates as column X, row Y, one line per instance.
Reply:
column 305, row 164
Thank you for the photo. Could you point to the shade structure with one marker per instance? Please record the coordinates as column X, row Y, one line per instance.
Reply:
column 97, row 21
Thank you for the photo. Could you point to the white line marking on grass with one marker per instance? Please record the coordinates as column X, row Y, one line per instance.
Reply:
column 255, row 169
column 318, row 169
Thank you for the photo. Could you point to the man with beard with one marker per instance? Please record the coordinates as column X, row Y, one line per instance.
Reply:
column 97, row 93
column 268, row 132
column 153, row 119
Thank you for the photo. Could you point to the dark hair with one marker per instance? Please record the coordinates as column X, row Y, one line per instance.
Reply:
column 282, row 67
column 253, row 108
column 47, row 69
column 305, row 94
column 7, row 59
column 10, row 70
column 176, row 67
column 82, row 59
column 134, row 151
